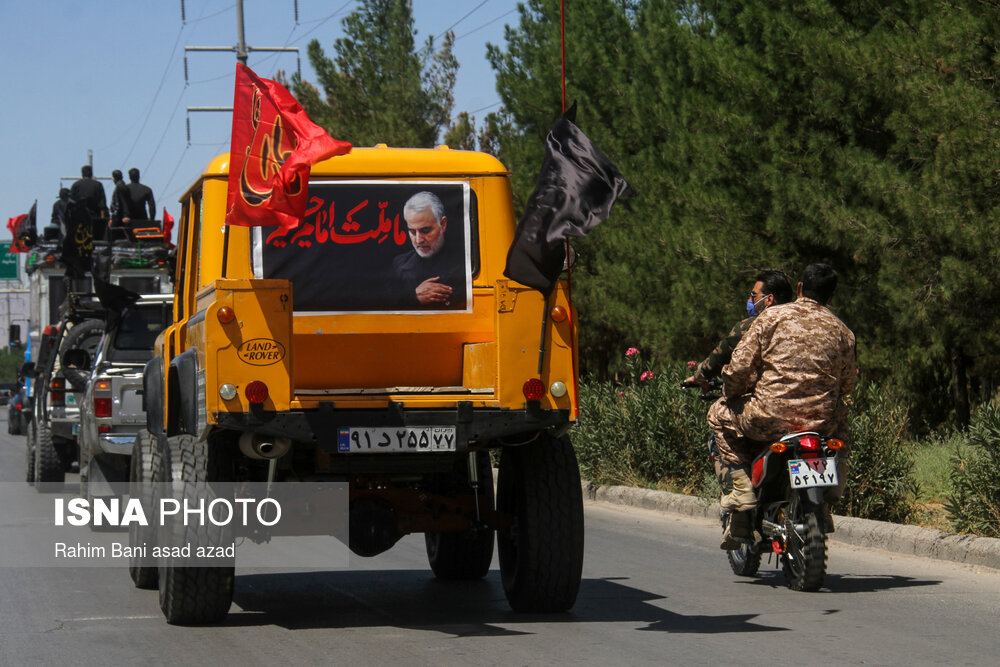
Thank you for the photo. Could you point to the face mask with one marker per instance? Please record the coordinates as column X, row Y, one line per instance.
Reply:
column 752, row 305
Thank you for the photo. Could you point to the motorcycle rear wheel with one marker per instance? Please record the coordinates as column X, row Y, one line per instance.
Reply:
column 804, row 559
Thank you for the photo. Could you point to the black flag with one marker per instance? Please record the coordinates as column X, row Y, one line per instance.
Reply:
column 576, row 189
column 27, row 231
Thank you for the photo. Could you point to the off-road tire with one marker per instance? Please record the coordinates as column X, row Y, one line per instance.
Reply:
column 804, row 562
column 50, row 470
column 541, row 551
column 466, row 555
column 193, row 595
column 143, row 574
column 29, row 454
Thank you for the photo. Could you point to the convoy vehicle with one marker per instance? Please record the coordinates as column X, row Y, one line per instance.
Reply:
column 60, row 321
column 60, row 373
column 304, row 356
column 15, row 413
column 111, row 413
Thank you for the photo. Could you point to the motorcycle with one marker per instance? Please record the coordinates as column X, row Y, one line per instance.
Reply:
column 789, row 478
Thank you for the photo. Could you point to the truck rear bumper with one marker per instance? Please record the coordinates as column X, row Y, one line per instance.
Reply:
column 322, row 425
column 120, row 444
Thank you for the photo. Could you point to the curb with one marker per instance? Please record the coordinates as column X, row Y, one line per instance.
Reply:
column 897, row 538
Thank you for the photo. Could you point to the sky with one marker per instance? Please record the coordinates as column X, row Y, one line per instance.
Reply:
column 108, row 76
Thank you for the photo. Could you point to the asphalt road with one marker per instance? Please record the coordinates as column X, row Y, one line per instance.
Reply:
column 656, row 589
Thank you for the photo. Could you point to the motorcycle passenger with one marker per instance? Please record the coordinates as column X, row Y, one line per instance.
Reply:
column 791, row 371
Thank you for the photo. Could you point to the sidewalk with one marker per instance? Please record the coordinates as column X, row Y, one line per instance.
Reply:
column 858, row 532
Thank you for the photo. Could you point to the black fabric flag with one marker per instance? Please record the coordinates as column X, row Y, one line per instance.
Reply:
column 575, row 191
column 78, row 244
column 27, row 231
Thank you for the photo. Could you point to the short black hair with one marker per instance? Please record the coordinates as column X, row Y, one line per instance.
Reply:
column 116, row 174
column 87, row 171
column 64, row 193
column 133, row 174
column 819, row 281
column 778, row 284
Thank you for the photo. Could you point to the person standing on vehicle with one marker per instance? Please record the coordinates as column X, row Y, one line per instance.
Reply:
column 59, row 211
column 770, row 288
column 140, row 196
column 792, row 371
column 119, row 203
column 88, row 194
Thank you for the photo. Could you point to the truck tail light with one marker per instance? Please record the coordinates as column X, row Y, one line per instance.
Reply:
column 57, row 392
column 102, row 406
column 256, row 392
column 533, row 389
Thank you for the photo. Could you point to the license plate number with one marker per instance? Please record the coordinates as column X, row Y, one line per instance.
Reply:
column 367, row 440
column 805, row 473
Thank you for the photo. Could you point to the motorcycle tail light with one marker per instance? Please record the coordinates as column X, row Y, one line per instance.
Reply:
column 809, row 442
column 778, row 447
column 835, row 444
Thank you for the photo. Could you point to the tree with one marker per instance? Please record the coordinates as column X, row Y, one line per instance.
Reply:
column 770, row 134
column 462, row 133
column 378, row 88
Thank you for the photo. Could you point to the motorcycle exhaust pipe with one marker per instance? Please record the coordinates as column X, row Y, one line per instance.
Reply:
column 256, row 446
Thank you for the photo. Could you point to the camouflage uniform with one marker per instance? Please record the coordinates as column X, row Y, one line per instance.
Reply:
column 712, row 365
column 791, row 371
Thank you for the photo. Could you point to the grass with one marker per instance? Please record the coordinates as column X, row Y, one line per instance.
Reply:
column 932, row 468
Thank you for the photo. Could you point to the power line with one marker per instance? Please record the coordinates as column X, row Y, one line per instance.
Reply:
column 177, row 105
column 471, row 12
column 204, row 18
column 485, row 24
column 152, row 104
column 339, row 9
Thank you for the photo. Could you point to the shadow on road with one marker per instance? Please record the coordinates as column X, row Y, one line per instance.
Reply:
column 845, row 583
column 414, row 599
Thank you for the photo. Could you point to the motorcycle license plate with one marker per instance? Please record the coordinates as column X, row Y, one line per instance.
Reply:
column 805, row 473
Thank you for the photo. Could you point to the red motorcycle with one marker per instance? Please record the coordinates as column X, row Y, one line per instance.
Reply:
column 790, row 519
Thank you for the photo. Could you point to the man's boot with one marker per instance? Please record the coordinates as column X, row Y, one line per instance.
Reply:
column 741, row 498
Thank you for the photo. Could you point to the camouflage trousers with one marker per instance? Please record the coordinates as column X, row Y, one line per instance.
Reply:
column 739, row 441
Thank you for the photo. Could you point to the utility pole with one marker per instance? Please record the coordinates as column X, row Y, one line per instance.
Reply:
column 242, row 51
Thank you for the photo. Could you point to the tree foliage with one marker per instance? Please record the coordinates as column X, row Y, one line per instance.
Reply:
column 378, row 87
column 771, row 134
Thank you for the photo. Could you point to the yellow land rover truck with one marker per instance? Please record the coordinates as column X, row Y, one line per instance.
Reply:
column 377, row 344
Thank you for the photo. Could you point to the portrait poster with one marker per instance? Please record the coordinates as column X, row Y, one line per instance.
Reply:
column 358, row 251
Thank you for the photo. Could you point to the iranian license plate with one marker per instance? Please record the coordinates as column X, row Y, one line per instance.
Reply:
column 368, row 440
column 805, row 473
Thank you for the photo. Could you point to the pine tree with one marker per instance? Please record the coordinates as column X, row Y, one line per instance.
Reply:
column 379, row 88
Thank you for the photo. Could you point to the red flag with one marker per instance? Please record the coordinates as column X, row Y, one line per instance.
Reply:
column 168, row 224
column 12, row 225
column 274, row 144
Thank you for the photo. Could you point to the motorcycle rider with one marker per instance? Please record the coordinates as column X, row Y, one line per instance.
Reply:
column 769, row 288
column 791, row 371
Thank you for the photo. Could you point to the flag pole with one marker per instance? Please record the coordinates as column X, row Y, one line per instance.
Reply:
column 569, row 270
